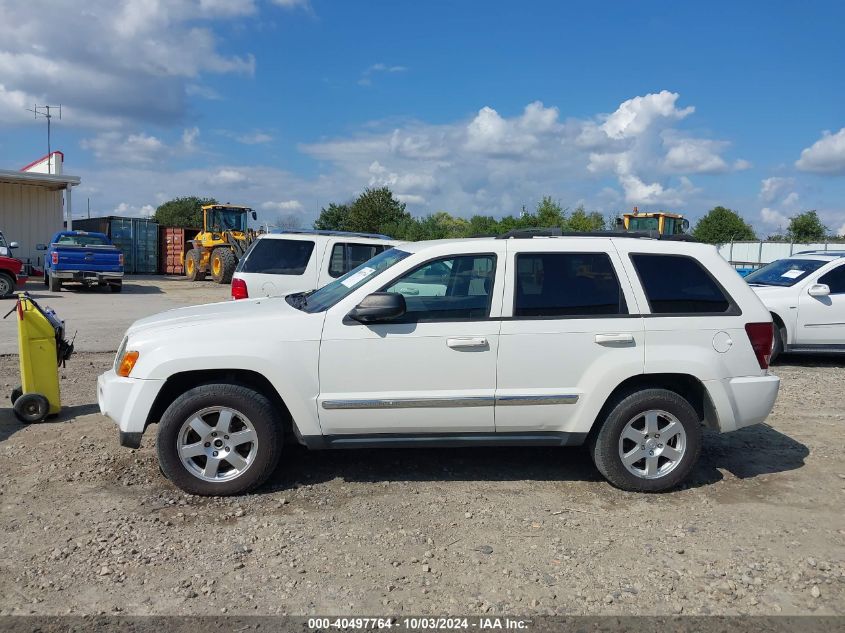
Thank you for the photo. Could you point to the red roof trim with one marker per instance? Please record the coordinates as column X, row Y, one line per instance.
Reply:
column 35, row 162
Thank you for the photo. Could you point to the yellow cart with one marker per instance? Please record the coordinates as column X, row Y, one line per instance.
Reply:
column 42, row 349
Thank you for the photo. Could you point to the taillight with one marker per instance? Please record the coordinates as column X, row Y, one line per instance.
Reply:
column 120, row 259
column 55, row 257
column 239, row 290
column 761, row 336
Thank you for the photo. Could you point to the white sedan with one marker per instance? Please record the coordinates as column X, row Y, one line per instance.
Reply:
column 806, row 295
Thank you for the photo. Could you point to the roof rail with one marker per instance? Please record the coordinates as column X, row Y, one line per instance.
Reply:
column 818, row 251
column 557, row 232
column 376, row 236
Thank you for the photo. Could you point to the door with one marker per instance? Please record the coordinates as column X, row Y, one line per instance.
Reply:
column 432, row 371
column 821, row 320
column 573, row 332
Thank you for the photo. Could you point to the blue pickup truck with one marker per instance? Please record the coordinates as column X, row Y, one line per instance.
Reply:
column 82, row 257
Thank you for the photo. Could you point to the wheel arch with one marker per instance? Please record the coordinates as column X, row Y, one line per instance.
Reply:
column 780, row 324
column 179, row 383
column 687, row 386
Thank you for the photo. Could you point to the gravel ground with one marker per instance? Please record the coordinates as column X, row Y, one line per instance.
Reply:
column 89, row 527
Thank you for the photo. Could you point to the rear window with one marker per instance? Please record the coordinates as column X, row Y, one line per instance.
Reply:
column 679, row 285
column 345, row 257
column 566, row 284
column 81, row 240
column 277, row 257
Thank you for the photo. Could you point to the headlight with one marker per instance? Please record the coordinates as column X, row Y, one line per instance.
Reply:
column 120, row 350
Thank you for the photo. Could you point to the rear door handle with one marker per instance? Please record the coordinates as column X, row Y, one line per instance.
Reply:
column 470, row 341
column 617, row 339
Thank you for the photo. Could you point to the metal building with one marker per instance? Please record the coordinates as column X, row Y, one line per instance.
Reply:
column 34, row 204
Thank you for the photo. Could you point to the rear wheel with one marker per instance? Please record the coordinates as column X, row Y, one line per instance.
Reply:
column 193, row 265
column 7, row 285
column 54, row 284
column 649, row 441
column 223, row 263
column 116, row 286
column 219, row 439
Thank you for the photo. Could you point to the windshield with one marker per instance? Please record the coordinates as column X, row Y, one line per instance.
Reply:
column 227, row 220
column 784, row 272
column 328, row 295
column 643, row 224
column 81, row 240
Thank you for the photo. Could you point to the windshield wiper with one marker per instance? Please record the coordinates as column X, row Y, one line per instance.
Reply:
column 299, row 299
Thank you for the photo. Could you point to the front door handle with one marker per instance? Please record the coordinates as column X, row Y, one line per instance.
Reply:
column 623, row 338
column 464, row 342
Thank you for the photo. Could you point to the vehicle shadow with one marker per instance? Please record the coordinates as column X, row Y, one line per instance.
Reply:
column 747, row 453
column 809, row 360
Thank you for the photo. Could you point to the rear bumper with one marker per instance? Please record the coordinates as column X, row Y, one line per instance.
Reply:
column 127, row 401
column 83, row 275
column 741, row 402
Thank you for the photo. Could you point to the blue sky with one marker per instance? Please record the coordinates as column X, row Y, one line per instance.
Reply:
column 469, row 107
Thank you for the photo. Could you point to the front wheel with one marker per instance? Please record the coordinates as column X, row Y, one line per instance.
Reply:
column 219, row 439
column 31, row 407
column 193, row 265
column 7, row 285
column 649, row 441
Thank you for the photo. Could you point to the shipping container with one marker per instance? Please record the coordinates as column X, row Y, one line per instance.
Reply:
column 137, row 238
column 175, row 242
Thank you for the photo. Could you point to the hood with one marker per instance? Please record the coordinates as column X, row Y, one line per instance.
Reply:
column 771, row 291
column 236, row 316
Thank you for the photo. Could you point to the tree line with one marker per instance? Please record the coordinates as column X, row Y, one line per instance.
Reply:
column 378, row 210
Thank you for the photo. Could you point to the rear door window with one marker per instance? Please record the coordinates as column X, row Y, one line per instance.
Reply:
column 835, row 280
column 277, row 257
column 674, row 284
column 566, row 284
column 346, row 256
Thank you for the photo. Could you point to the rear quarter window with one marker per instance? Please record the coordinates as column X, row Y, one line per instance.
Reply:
column 676, row 284
column 277, row 257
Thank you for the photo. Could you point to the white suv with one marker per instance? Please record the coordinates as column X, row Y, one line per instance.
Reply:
column 627, row 345
column 277, row 264
column 806, row 295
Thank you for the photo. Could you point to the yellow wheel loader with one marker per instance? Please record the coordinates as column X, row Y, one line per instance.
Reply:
column 223, row 241
column 663, row 222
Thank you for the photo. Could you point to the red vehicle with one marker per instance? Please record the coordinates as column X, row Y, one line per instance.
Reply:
column 10, row 269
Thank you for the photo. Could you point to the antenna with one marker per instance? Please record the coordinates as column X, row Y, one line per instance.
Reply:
column 44, row 111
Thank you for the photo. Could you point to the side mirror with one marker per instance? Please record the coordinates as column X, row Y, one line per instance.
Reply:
column 14, row 245
column 254, row 215
column 818, row 290
column 379, row 307
column 41, row 247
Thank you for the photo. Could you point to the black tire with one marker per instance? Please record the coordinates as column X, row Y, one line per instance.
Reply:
column 46, row 280
column 223, row 264
column 193, row 269
column 605, row 444
column 7, row 285
column 253, row 405
column 116, row 286
column 17, row 392
column 777, row 343
column 31, row 407
column 55, row 285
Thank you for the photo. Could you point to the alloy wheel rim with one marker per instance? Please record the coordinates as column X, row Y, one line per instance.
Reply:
column 217, row 444
column 5, row 288
column 652, row 444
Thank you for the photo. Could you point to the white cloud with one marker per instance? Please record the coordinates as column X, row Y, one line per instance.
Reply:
column 774, row 187
column 293, row 4
column 841, row 231
column 380, row 68
column 635, row 116
column 119, row 148
column 254, row 138
column 113, row 62
column 773, row 219
column 284, row 205
column 741, row 164
column 825, row 156
column 694, row 156
column 228, row 176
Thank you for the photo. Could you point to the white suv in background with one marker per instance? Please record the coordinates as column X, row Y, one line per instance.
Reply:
column 277, row 264
column 806, row 295
column 625, row 344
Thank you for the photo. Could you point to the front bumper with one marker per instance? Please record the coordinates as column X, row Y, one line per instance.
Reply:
column 82, row 275
column 127, row 401
column 741, row 402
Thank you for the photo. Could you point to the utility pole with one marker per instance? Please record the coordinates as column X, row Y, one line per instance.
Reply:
column 44, row 111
